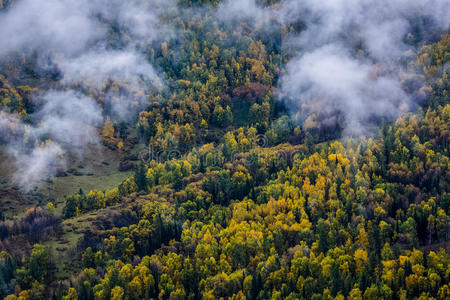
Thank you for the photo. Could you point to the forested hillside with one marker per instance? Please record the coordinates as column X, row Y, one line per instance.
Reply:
column 224, row 149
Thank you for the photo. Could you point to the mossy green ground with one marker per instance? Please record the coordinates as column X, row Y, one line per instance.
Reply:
column 63, row 248
column 96, row 169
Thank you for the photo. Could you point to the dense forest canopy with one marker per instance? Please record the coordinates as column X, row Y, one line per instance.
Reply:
column 250, row 149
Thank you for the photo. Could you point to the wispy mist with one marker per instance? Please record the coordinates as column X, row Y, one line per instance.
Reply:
column 348, row 59
column 66, row 122
column 349, row 56
column 41, row 162
column 62, row 113
column 94, row 67
column 90, row 43
column 329, row 80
